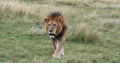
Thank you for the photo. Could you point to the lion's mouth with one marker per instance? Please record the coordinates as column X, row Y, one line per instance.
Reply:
column 51, row 35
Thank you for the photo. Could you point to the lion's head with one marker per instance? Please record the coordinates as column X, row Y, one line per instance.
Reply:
column 54, row 24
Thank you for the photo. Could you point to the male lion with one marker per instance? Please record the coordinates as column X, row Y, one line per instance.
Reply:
column 56, row 27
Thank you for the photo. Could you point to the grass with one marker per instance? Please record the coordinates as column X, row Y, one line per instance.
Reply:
column 82, row 33
column 96, row 24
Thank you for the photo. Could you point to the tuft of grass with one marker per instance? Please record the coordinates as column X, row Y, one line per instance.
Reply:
column 66, row 3
column 82, row 33
column 109, row 24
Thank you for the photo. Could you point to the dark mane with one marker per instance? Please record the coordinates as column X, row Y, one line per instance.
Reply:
column 54, row 14
column 61, row 33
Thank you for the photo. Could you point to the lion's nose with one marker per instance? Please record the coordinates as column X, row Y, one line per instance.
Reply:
column 50, row 30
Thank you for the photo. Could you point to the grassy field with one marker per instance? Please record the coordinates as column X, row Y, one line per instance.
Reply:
column 93, row 37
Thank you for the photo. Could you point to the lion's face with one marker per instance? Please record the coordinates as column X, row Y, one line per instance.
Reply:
column 53, row 27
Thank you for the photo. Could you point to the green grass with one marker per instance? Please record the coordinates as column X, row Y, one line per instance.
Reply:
column 96, row 25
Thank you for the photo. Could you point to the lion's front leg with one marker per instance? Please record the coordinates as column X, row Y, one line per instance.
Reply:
column 60, row 49
column 54, row 41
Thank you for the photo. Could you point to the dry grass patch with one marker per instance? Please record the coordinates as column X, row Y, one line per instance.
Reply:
column 109, row 24
column 113, row 1
column 36, row 10
column 82, row 33
column 17, row 6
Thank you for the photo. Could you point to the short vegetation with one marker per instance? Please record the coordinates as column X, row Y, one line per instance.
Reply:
column 93, row 36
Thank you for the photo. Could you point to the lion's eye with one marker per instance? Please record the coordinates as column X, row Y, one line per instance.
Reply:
column 48, row 24
column 54, row 24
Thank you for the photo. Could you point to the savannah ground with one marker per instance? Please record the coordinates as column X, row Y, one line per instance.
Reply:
column 93, row 37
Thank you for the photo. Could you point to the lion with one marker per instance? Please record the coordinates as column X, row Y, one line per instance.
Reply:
column 56, row 27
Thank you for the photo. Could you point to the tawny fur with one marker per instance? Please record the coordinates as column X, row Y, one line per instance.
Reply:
column 60, row 37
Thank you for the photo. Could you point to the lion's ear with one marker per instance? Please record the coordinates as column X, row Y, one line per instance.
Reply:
column 60, row 19
column 46, row 20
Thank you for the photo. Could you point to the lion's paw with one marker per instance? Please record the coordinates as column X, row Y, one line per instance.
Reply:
column 56, row 56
